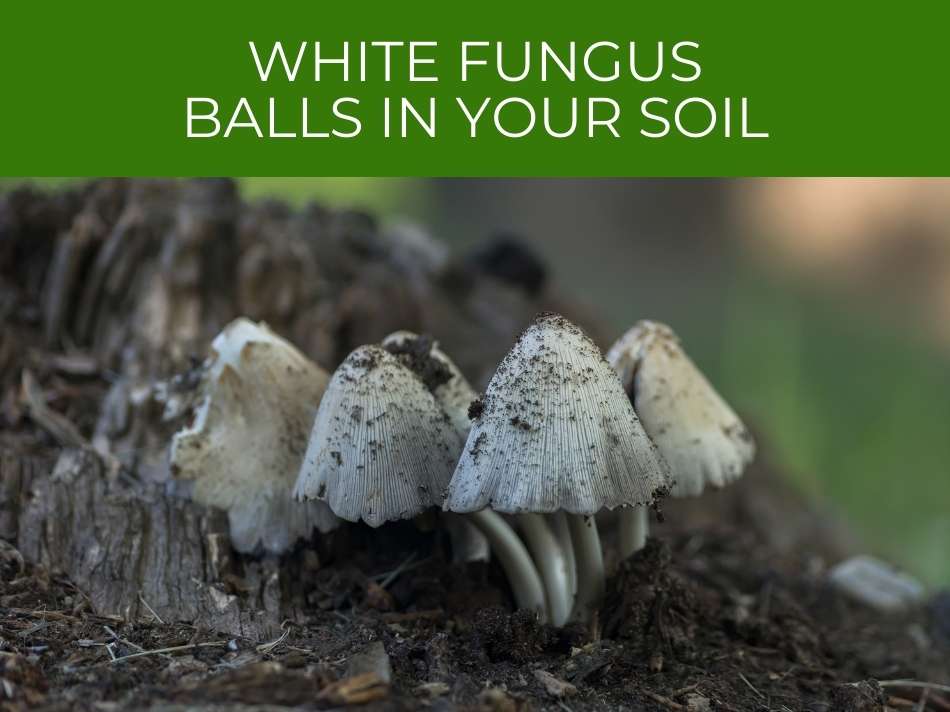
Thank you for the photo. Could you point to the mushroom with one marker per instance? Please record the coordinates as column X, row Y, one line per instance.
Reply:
column 454, row 394
column 697, row 432
column 381, row 448
column 556, row 433
column 243, row 448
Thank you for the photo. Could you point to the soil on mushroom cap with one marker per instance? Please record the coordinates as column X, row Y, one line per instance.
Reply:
column 416, row 353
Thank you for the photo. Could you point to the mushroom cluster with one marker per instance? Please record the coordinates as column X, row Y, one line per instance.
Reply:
column 560, row 434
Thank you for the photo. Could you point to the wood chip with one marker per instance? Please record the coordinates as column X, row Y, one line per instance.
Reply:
column 432, row 689
column 554, row 686
column 357, row 690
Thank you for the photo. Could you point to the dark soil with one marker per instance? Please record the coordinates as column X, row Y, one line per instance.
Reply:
column 709, row 616
column 416, row 353
column 707, row 620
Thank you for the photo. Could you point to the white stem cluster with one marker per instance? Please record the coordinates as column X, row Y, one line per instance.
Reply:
column 555, row 567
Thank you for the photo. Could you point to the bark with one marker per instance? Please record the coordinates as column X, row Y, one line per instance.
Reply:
column 133, row 550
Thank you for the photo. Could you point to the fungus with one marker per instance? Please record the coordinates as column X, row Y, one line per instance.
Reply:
column 557, row 433
column 381, row 448
column 243, row 448
column 697, row 432
column 454, row 394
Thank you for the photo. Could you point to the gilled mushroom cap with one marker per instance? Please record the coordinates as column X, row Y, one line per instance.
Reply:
column 700, row 436
column 556, row 431
column 381, row 447
column 245, row 444
column 442, row 377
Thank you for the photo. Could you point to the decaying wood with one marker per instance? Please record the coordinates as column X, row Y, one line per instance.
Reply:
column 18, row 472
column 137, row 553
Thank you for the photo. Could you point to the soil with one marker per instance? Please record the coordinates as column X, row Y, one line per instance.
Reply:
column 728, row 608
column 416, row 354
column 708, row 620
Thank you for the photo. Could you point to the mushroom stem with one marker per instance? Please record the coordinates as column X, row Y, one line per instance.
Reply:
column 468, row 543
column 552, row 564
column 590, row 565
column 634, row 527
column 562, row 532
column 515, row 560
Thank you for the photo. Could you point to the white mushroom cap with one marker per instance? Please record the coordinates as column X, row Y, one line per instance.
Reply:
column 381, row 447
column 556, row 432
column 451, row 389
column 454, row 394
column 245, row 445
column 700, row 436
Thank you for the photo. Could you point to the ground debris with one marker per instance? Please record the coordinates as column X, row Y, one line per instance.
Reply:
column 355, row 690
column 865, row 696
column 23, row 685
column 554, row 686
column 255, row 683
column 494, row 699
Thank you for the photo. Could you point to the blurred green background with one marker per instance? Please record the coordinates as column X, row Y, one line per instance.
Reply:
column 820, row 308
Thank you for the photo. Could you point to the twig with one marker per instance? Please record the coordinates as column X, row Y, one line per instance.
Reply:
column 394, row 574
column 922, row 704
column 151, row 610
column 751, row 686
column 683, row 690
column 36, row 628
column 45, row 615
column 117, row 639
column 173, row 649
column 265, row 648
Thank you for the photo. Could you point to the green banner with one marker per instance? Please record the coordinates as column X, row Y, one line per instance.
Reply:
column 486, row 89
